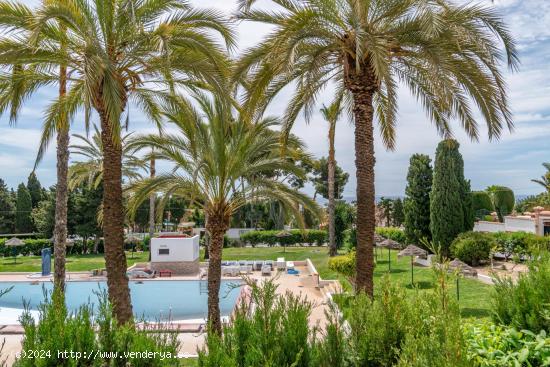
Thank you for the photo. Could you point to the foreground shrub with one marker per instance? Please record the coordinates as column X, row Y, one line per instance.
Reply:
column 276, row 334
column 296, row 237
column 490, row 345
column 472, row 247
column 58, row 331
column 525, row 303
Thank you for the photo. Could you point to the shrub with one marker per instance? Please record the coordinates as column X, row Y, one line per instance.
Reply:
column 524, row 304
column 490, row 345
column 308, row 236
column 276, row 334
column 393, row 233
column 343, row 264
column 472, row 247
column 58, row 330
column 514, row 242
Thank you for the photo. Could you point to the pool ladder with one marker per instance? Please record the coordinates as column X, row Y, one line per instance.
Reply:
column 203, row 286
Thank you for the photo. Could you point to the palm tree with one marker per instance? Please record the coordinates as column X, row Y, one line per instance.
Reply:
column 544, row 180
column 118, row 52
column 16, row 23
column 221, row 162
column 446, row 55
column 331, row 115
column 90, row 171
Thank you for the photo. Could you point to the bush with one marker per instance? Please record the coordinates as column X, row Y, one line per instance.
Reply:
column 297, row 237
column 343, row 264
column 525, row 303
column 276, row 334
column 393, row 233
column 472, row 247
column 510, row 243
column 490, row 345
column 57, row 331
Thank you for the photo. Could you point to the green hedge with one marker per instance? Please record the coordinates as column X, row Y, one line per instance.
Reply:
column 393, row 233
column 308, row 236
column 520, row 243
column 343, row 264
column 31, row 247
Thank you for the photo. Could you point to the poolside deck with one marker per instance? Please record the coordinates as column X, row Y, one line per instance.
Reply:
column 191, row 335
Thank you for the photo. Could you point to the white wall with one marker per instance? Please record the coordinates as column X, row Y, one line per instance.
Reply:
column 483, row 226
column 517, row 224
column 180, row 248
column 232, row 233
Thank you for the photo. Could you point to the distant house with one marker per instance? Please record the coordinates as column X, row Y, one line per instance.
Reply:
column 537, row 222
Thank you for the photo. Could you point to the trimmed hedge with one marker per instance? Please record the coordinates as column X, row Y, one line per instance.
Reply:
column 31, row 247
column 297, row 237
column 343, row 264
column 393, row 233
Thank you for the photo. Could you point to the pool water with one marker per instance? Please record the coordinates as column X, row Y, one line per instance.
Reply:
column 151, row 300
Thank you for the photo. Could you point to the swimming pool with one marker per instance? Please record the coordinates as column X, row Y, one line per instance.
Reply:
column 151, row 300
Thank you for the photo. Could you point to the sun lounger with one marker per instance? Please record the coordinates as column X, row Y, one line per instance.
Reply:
column 270, row 263
column 281, row 263
column 258, row 265
column 139, row 273
column 266, row 270
column 290, row 265
column 245, row 269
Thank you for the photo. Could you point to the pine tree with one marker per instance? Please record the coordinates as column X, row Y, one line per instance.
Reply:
column 23, row 222
column 7, row 209
column 417, row 200
column 447, row 197
column 35, row 189
column 468, row 201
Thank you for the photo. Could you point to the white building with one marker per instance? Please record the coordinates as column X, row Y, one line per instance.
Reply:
column 175, row 252
column 537, row 222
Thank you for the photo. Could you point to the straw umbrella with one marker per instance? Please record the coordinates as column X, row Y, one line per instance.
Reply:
column 462, row 269
column 14, row 242
column 412, row 251
column 390, row 245
column 283, row 234
column 377, row 240
column 133, row 239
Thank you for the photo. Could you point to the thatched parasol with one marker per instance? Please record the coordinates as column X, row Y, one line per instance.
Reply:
column 14, row 242
column 390, row 245
column 133, row 239
column 461, row 268
column 283, row 234
column 412, row 251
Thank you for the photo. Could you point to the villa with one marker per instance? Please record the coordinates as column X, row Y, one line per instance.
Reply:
column 537, row 222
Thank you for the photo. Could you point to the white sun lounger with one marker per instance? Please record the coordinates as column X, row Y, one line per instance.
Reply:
column 290, row 265
column 134, row 273
column 281, row 263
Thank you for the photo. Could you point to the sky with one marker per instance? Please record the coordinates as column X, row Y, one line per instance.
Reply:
column 512, row 161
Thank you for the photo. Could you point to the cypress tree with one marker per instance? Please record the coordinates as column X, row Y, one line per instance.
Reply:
column 398, row 216
column 447, row 214
column 417, row 199
column 23, row 222
column 35, row 189
column 7, row 209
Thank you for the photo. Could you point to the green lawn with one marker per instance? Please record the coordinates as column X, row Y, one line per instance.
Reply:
column 474, row 295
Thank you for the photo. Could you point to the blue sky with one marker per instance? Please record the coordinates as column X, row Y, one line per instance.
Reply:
column 512, row 161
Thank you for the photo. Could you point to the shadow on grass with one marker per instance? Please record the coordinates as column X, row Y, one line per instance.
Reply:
column 420, row 285
column 384, row 270
column 474, row 312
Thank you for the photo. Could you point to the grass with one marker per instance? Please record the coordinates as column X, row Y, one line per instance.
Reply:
column 474, row 295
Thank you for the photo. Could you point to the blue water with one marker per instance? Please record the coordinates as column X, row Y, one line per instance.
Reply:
column 151, row 300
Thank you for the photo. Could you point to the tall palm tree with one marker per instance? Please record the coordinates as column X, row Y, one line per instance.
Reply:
column 16, row 23
column 90, row 170
column 331, row 115
column 221, row 162
column 445, row 54
column 544, row 180
column 119, row 52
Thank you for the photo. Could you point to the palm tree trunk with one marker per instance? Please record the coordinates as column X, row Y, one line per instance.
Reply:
column 216, row 227
column 152, row 172
column 113, row 225
column 331, row 204
column 362, row 85
column 61, row 193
